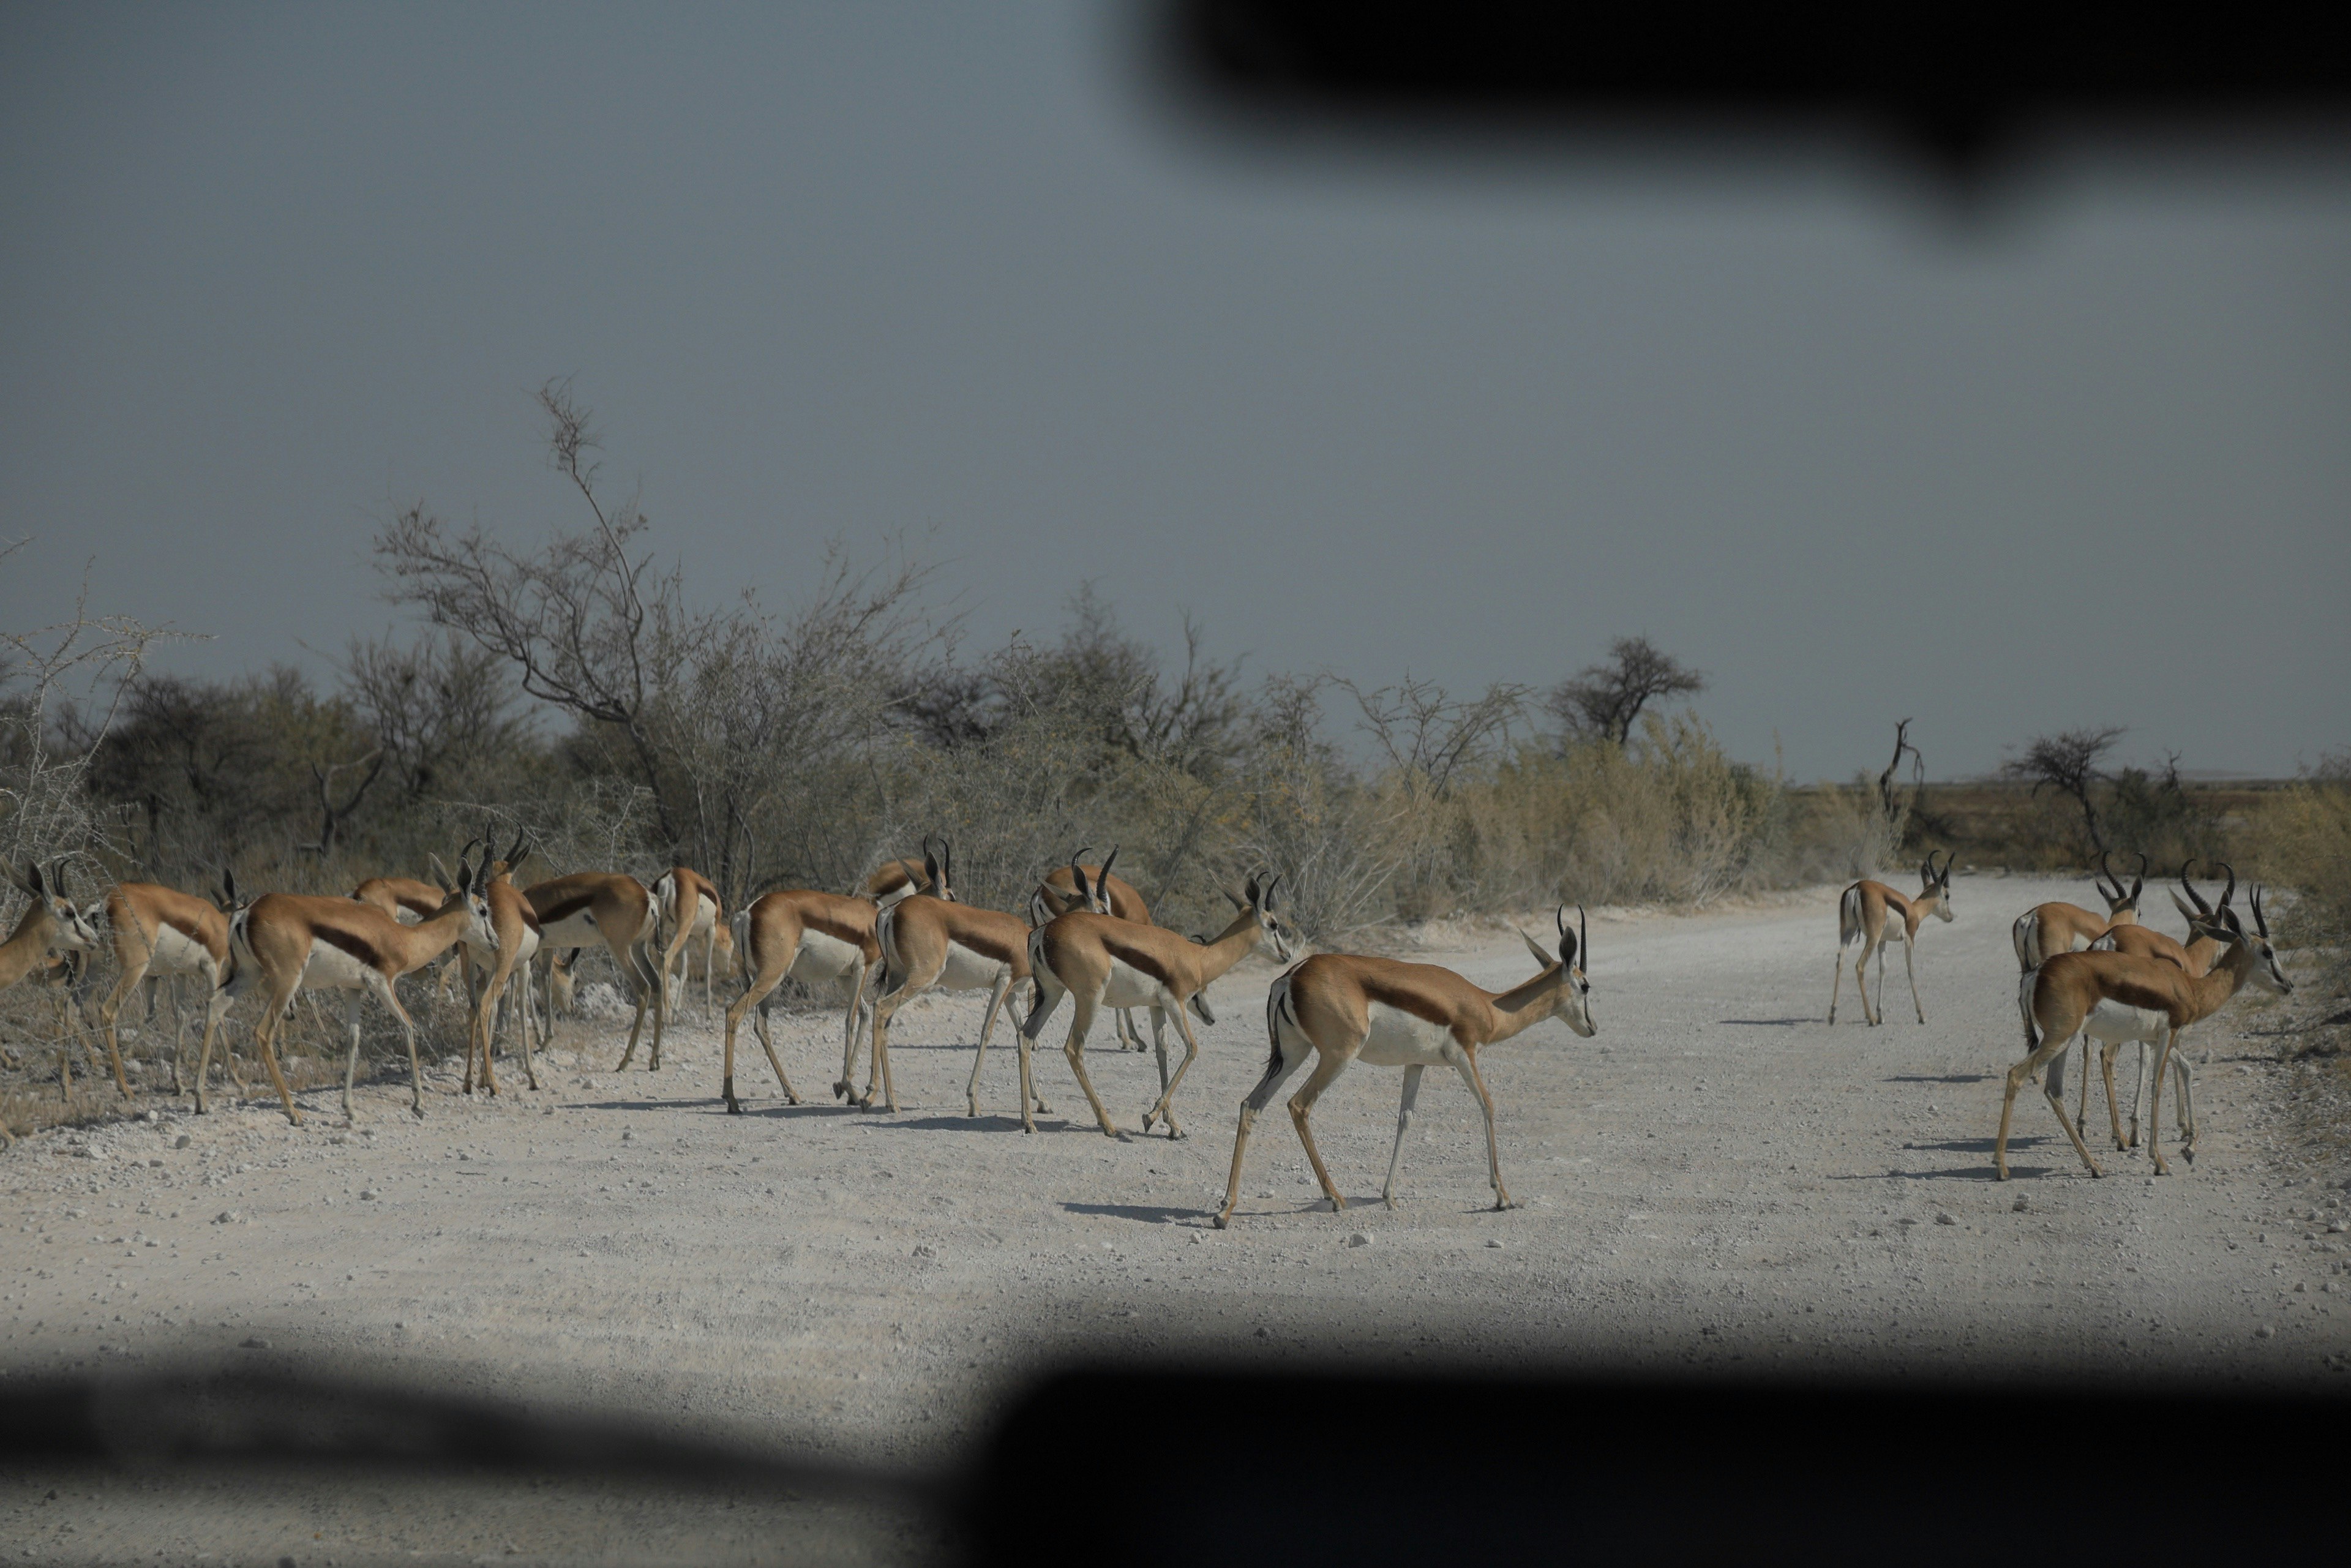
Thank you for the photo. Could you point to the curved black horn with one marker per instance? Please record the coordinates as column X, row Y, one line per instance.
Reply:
column 2138, row 880
column 2107, row 871
column 1583, row 934
column 2228, row 892
column 2194, row 897
column 2261, row 921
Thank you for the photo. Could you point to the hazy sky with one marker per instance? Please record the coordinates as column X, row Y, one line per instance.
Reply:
column 840, row 272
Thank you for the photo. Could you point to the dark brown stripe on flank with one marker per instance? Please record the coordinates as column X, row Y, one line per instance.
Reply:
column 1408, row 1002
column 350, row 941
column 564, row 909
column 839, row 930
column 1136, row 957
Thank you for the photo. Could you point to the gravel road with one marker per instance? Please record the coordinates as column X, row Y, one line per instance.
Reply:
column 1718, row 1179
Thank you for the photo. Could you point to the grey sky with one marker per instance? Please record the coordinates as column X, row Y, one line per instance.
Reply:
column 844, row 271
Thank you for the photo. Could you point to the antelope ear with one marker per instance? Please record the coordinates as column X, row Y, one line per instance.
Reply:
column 1535, row 947
column 2182, row 904
column 32, row 879
column 1235, row 899
column 439, row 871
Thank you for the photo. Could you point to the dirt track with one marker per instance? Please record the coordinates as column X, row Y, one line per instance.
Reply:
column 1718, row 1180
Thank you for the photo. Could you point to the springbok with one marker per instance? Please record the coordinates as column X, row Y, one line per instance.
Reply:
column 409, row 900
column 2196, row 955
column 2058, row 927
column 2126, row 995
column 1870, row 915
column 1099, row 960
column 161, row 934
column 1112, row 894
column 1341, row 1008
column 614, row 908
column 816, row 938
column 517, row 929
column 286, row 942
column 49, row 924
column 934, row 941
column 899, row 880
column 687, row 906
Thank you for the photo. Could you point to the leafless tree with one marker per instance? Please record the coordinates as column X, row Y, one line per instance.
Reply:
column 61, row 687
column 1430, row 734
column 2068, row 762
column 586, row 620
column 1604, row 701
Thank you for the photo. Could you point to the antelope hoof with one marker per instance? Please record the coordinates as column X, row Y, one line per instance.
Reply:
column 734, row 1106
column 1387, row 1200
column 1223, row 1221
column 415, row 1111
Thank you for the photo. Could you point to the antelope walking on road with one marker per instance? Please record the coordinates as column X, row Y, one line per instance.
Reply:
column 51, row 924
column 2196, row 956
column 284, row 943
column 2059, row 928
column 2126, row 995
column 1870, row 915
column 1341, row 1008
column 934, row 941
column 1109, row 893
column 816, row 938
column 1099, row 960
column 613, row 908
column 505, row 969
column 161, row 934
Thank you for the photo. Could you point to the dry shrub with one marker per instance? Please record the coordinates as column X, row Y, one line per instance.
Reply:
column 2301, row 838
column 1669, row 819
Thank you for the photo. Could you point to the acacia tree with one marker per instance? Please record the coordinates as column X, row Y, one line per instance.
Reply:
column 2068, row 762
column 1603, row 701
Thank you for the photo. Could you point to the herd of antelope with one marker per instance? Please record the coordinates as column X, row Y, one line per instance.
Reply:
column 2104, row 978
column 1086, row 937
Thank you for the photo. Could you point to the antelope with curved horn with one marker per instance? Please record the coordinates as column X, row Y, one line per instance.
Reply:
column 1871, row 914
column 816, row 938
column 2059, row 928
column 161, row 934
column 686, row 904
column 1341, row 1008
column 899, row 880
column 1098, row 960
column 2125, row 996
column 2196, row 955
column 506, row 965
column 51, row 924
column 1113, row 894
column 934, row 941
column 611, row 907
column 285, row 942
column 408, row 900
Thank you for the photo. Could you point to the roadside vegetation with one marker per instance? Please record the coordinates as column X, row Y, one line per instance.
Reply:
column 583, row 694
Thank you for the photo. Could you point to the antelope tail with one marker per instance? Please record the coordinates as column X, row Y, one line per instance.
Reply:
column 1849, row 921
column 2026, row 934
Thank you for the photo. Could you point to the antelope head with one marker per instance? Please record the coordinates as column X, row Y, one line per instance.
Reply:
column 1572, row 1006
column 1935, row 890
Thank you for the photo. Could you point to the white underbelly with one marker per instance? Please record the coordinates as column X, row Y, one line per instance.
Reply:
column 824, row 957
column 572, row 931
column 967, row 971
column 1129, row 987
column 1400, row 1038
column 705, row 914
column 175, row 954
column 2117, row 1020
column 331, row 969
